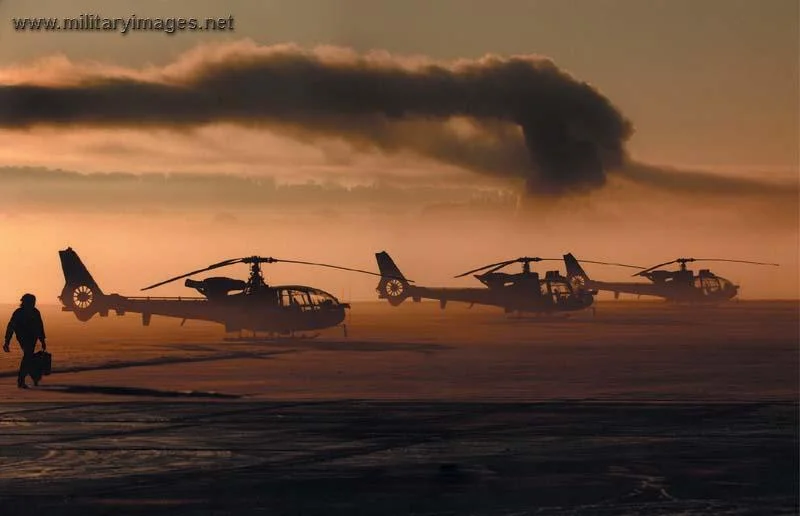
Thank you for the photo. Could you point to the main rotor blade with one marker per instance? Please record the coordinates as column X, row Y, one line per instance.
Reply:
column 210, row 267
column 343, row 269
column 705, row 260
column 609, row 263
column 641, row 273
column 736, row 261
column 499, row 265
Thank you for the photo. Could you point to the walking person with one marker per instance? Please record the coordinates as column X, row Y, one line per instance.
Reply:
column 26, row 323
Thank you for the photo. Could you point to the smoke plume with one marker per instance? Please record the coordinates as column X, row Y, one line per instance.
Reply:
column 703, row 183
column 517, row 117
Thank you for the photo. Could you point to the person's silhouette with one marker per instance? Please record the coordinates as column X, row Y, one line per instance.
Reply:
column 26, row 323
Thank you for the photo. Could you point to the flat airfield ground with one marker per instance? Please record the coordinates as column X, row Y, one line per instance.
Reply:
column 643, row 408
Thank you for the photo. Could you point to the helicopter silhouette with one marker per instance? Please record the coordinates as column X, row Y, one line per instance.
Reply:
column 680, row 285
column 237, row 304
column 523, row 292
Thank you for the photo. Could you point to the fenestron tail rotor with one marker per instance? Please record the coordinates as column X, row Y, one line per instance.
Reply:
column 684, row 261
column 525, row 261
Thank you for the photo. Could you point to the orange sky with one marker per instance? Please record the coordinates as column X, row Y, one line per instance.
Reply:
column 711, row 86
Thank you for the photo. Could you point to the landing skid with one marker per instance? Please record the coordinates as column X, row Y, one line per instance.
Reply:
column 302, row 336
column 272, row 337
column 539, row 316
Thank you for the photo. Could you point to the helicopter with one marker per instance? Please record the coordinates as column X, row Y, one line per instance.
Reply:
column 519, row 292
column 680, row 285
column 237, row 304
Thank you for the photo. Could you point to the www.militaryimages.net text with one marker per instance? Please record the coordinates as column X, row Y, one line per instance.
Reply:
column 122, row 25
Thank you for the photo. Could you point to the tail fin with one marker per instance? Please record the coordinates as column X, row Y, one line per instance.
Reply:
column 576, row 275
column 80, row 294
column 393, row 285
column 574, row 269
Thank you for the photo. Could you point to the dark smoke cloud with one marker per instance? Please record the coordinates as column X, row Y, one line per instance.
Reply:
column 525, row 117
column 520, row 117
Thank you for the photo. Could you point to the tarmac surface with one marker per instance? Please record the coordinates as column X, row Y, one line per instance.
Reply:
column 644, row 408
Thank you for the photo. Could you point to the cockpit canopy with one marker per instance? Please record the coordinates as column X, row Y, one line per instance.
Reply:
column 557, row 287
column 305, row 298
column 710, row 283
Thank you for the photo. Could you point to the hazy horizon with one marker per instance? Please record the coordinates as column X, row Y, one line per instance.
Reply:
column 619, row 131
